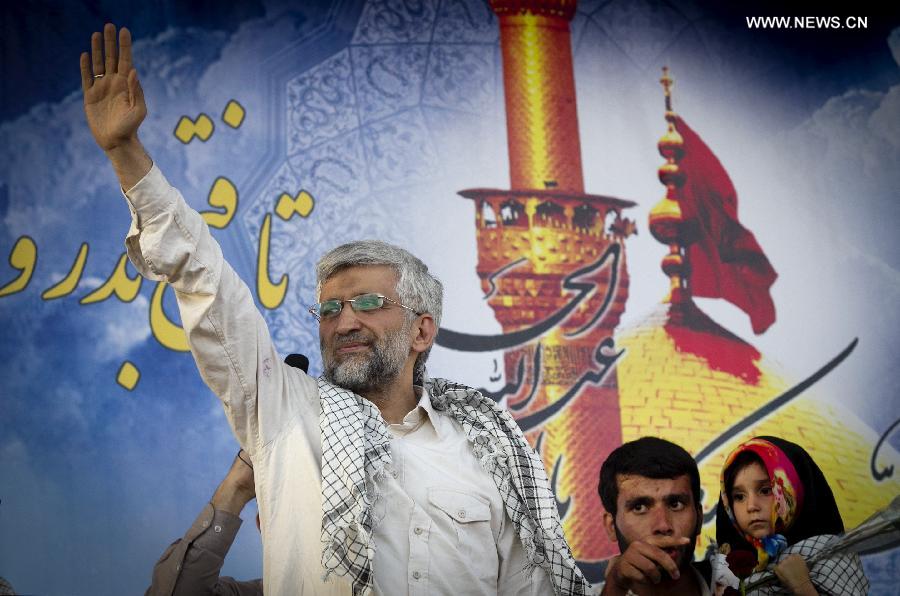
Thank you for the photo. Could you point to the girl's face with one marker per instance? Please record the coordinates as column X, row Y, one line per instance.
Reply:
column 752, row 501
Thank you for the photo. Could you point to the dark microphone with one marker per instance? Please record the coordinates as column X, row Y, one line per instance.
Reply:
column 298, row 361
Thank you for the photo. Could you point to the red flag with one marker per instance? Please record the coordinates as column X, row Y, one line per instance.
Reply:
column 726, row 260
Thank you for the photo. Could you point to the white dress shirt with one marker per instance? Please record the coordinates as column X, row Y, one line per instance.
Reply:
column 442, row 529
column 441, row 512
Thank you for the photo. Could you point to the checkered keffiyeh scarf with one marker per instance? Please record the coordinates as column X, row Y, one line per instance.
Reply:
column 839, row 574
column 356, row 452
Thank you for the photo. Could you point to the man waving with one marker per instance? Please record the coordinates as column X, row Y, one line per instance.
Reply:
column 374, row 478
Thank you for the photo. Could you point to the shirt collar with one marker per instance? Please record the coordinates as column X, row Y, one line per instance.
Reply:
column 423, row 413
column 438, row 422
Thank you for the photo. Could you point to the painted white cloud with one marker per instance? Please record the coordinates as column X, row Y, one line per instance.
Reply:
column 125, row 331
column 837, row 178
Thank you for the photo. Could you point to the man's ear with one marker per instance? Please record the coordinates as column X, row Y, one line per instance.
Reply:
column 699, row 527
column 425, row 332
column 609, row 524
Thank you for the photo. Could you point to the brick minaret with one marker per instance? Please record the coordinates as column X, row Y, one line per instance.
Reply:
column 530, row 238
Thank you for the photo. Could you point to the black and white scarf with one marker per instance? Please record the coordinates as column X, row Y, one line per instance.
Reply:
column 356, row 453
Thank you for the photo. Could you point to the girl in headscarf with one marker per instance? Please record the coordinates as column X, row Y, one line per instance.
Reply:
column 776, row 502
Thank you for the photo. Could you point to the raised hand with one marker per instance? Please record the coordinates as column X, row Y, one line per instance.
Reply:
column 113, row 99
column 644, row 563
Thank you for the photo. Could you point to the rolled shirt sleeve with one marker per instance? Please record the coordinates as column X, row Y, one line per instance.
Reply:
column 169, row 241
column 191, row 565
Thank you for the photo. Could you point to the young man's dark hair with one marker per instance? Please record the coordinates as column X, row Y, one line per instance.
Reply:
column 650, row 457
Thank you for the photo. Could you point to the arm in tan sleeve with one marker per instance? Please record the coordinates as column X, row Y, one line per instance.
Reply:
column 192, row 564
column 229, row 339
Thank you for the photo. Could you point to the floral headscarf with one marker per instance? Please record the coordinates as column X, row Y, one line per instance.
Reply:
column 804, row 504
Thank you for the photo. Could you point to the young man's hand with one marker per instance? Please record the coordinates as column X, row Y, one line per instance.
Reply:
column 643, row 564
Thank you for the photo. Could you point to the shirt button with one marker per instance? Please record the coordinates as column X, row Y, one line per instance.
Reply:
column 416, row 575
column 217, row 529
column 418, row 530
column 461, row 513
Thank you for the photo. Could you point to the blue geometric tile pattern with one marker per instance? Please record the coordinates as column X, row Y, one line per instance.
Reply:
column 321, row 103
column 462, row 77
column 399, row 150
column 394, row 21
column 462, row 21
column 388, row 78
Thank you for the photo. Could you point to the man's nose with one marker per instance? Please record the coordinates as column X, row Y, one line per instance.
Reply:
column 662, row 522
column 346, row 320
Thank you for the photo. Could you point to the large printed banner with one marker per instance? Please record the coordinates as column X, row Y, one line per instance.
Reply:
column 649, row 219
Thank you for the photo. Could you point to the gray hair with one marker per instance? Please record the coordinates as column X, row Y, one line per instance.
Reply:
column 416, row 287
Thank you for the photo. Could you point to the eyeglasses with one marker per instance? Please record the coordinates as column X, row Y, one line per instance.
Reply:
column 362, row 303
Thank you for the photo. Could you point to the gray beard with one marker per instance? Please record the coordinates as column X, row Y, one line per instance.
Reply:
column 361, row 373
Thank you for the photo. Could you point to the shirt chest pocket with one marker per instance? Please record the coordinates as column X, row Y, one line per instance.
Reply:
column 468, row 518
